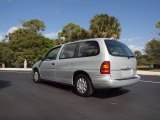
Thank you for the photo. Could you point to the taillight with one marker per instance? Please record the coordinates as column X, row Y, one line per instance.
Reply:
column 105, row 67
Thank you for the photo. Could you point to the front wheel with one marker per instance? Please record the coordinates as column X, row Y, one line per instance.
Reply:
column 36, row 76
column 83, row 85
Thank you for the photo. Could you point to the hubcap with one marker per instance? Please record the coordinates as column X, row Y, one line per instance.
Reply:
column 36, row 76
column 81, row 85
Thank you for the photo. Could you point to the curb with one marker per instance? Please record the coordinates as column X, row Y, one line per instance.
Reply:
column 139, row 72
column 16, row 69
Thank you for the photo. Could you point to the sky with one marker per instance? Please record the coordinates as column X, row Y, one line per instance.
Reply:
column 137, row 17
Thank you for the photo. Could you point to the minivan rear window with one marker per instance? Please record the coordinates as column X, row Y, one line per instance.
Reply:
column 116, row 48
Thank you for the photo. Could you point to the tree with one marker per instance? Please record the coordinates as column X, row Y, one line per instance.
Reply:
column 34, row 24
column 158, row 26
column 72, row 32
column 152, row 49
column 6, row 54
column 137, row 53
column 103, row 25
column 57, row 41
column 27, row 43
column 141, row 59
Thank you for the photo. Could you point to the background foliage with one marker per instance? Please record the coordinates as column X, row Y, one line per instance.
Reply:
column 25, row 43
column 151, row 51
column 29, row 43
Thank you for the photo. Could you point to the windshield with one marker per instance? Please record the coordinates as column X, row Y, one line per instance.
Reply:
column 116, row 48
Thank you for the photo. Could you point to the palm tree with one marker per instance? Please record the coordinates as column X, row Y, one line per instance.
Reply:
column 103, row 25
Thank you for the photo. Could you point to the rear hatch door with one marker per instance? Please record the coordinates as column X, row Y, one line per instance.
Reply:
column 122, row 60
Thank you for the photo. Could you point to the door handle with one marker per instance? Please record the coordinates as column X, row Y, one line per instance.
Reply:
column 53, row 64
column 126, row 68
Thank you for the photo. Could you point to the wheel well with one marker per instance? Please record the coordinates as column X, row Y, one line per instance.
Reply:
column 80, row 72
column 35, row 69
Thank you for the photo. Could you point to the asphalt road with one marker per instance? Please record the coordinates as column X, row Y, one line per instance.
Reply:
column 22, row 99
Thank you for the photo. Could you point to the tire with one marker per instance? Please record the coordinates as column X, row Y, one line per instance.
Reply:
column 36, row 76
column 83, row 85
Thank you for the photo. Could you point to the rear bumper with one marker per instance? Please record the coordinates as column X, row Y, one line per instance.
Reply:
column 110, row 83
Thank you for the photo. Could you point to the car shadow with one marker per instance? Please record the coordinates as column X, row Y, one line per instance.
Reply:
column 58, row 85
column 109, row 93
column 4, row 83
column 100, row 93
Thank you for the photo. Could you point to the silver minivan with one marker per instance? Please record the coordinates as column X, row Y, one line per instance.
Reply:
column 88, row 64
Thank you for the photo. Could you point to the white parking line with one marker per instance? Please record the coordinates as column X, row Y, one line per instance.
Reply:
column 150, row 82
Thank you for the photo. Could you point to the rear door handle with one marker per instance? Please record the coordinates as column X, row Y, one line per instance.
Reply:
column 53, row 64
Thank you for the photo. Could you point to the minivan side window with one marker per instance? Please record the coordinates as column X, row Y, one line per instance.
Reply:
column 52, row 55
column 116, row 48
column 69, row 51
column 88, row 48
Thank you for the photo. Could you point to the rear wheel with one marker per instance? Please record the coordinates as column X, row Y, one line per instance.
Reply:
column 36, row 76
column 83, row 85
